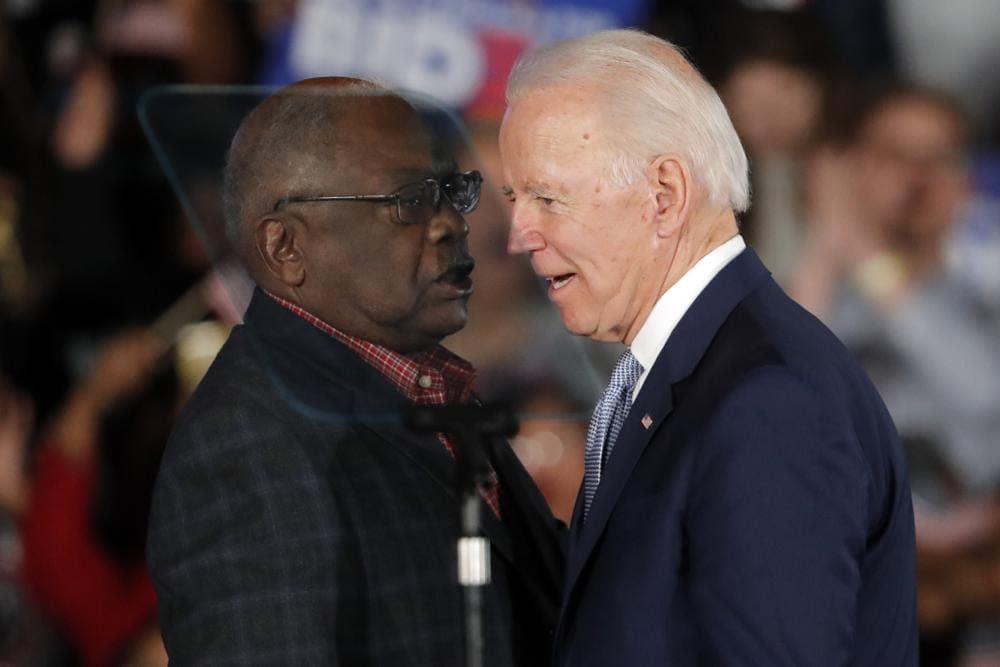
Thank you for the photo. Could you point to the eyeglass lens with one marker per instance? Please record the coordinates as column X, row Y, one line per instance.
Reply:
column 417, row 203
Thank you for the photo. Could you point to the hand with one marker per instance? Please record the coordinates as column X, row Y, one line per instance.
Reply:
column 841, row 233
column 121, row 369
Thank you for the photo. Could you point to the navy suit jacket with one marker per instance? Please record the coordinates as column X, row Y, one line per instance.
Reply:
column 296, row 521
column 755, row 509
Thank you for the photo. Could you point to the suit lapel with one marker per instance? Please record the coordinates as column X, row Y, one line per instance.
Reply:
column 426, row 452
column 523, row 538
column 680, row 355
column 423, row 450
column 655, row 400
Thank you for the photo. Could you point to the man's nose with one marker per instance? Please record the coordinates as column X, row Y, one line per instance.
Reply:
column 447, row 225
column 524, row 234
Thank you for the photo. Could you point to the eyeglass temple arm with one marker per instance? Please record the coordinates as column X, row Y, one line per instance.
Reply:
column 298, row 200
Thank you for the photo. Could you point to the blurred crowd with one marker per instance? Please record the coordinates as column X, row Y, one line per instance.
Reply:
column 872, row 128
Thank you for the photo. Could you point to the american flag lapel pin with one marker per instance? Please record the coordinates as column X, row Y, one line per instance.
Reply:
column 646, row 421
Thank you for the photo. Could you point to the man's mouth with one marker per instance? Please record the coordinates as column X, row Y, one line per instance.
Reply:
column 457, row 277
column 560, row 281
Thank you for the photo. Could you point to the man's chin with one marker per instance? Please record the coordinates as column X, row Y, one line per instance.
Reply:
column 447, row 323
column 575, row 325
column 589, row 329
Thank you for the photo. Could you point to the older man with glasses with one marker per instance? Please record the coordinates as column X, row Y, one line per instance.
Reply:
column 295, row 520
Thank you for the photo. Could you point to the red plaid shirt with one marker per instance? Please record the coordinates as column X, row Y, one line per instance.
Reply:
column 432, row 377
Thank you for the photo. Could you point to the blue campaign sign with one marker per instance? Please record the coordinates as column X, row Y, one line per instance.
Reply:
column 459, row 51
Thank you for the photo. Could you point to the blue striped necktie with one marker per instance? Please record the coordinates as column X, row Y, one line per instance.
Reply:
column 609, row 415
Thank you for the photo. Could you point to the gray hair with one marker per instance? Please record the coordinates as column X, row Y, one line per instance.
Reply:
column 655, row 101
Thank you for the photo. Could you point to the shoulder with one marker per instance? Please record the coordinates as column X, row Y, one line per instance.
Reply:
column 776, row 379
column 775, row 346
column 247, row 427
column 240, row 455
column 792, row 410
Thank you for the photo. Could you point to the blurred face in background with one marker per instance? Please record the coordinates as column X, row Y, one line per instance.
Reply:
column 911, row 170
column 774, row 106
column 502, row 281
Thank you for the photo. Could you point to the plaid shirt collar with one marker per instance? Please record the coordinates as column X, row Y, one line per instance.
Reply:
column 431, row 377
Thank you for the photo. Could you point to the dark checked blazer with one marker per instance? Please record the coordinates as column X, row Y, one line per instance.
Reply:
column 755, row 510
column 295, row 521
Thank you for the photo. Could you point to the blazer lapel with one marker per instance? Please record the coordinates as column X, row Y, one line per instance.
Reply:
column 427, row 453
column 655, row 402
column 424, row 450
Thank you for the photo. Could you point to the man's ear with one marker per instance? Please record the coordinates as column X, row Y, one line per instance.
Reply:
column 277, row 243
column 672, row 187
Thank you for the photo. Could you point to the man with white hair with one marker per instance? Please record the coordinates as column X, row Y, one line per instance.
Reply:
column 745, row 498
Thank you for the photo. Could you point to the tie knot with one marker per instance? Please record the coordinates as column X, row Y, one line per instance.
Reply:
column 627, row 370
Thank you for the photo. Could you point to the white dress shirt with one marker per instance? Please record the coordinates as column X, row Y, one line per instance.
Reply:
column 670, row 308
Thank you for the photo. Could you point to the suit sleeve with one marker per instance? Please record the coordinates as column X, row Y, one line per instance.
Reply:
column 777, row 526
column 244, row 548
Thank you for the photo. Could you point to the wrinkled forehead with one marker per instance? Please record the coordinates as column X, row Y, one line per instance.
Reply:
column 561, row 127
column 561, row 111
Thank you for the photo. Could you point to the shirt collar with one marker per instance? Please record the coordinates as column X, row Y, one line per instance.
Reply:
column 672, row 304
column 430, row 377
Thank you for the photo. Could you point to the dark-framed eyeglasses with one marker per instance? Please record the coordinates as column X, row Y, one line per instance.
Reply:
column 416, row 203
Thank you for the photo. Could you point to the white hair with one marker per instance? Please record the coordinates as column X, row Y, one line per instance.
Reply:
column 654, row 101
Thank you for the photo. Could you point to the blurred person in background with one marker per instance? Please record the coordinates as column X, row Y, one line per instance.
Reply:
column 82, row 533
column 775, row 87
column 883, row 203
column 26, row 636
column 24, row 362
column 83, row 503
column 952, row 48
column 82, row 493
column 89, row 243
column 103, row 247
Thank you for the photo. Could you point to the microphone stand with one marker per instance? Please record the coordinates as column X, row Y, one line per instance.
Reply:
column 470, row 426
